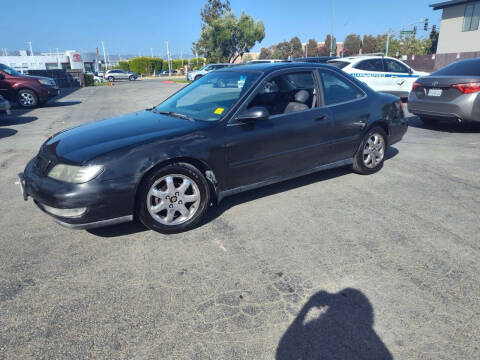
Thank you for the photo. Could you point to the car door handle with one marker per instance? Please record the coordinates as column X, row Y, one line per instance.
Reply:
column 322, row 118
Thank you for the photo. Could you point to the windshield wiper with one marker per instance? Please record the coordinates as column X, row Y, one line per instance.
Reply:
column 174, row 114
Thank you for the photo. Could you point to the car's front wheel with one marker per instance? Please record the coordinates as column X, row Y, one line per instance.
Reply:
column 27, row 98
column 371, row 153
column 131, row 78
column 197, row 77
column 173, row 199
column 111, row 79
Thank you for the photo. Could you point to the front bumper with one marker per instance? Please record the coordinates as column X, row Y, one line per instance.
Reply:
column 47, row 92
column 107, row 202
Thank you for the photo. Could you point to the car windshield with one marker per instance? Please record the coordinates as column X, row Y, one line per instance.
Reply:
column 9, row 70
column 210, row 97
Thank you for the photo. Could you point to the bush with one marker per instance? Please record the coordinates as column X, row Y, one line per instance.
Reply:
column 124, row 65
column 89, row 81
column 145, row 65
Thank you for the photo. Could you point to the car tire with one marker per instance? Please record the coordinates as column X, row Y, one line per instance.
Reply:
column 167, row 204
column 370, row 155
column 197, row 77
column 111, row 79
column 27, row 98
column 131, row 78
column 429, row 121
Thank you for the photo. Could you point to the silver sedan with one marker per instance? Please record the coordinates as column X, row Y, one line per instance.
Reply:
column 451, row 93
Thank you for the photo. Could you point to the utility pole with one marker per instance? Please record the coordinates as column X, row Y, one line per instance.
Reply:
column 331, row 30
column 104, row 56
column 151, row 52
column 31, row 54
column 168, row 59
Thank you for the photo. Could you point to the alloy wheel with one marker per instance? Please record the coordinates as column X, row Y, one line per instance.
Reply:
column 26, row 99
column 173, row 199
column 374, row 150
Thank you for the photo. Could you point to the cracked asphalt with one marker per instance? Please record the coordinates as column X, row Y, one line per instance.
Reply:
column 333, row 265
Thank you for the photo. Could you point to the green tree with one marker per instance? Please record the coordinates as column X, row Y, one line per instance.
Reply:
column 213, row 10
column 352, row 45
column 228, row 38
column 265, row 53
column 311, row 48
column 296, row 48
column 368, row 44
column 281, row 50
column 433, row 41
column 328, row 45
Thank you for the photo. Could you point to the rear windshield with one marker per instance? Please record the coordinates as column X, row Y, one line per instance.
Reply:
column 338, row 64
column 462, row 68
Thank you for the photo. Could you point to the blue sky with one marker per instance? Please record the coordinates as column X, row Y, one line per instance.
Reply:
column 136, row 26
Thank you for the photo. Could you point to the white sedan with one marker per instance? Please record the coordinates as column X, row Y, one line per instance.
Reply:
column 381, row 73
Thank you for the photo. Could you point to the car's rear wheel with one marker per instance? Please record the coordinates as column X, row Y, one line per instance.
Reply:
column 131, row 78
column 27, row 98
column 371, row 154
column 173, row 199
column 111, row 79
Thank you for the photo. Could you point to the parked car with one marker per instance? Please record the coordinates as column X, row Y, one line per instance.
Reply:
column 197, row 74
column 166, row 165
column 118, row 74
column 4, row 105
column 381, row 73
column 451, row 93
column 27, row 91
column 316, row 59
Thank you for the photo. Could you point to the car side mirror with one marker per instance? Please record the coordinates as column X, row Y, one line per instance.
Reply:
column 410, row 71
column 254, row 114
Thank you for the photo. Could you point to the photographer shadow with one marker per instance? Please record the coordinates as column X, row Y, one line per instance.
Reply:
column 333, row 326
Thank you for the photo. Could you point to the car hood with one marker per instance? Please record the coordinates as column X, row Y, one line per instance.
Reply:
column 39, row 77
column 85, row 142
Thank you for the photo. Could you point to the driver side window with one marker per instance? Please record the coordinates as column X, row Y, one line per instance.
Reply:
column 286, row 93
column 395, row 66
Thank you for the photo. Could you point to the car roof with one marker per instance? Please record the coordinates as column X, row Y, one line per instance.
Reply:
column 270, row 67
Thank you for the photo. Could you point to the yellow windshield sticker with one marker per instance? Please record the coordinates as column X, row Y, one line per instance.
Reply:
column 219, row 111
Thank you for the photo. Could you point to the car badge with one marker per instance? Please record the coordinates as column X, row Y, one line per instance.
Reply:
column 435, row 83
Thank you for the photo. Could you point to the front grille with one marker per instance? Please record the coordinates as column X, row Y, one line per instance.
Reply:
column 41, row 165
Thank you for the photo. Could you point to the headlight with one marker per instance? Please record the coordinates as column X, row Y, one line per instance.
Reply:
column 75, row 174
column 48, row 82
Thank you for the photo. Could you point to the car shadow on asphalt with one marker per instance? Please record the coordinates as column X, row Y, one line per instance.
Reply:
column 445, row 126
column 124, row 229
column 231, row 201
column 14, row 119
column 280, row 187
column 7, row 132
column 19, row 111
column 333, row 326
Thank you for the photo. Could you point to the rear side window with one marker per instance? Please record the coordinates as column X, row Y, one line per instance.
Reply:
column 337, row 89
column 461, row 68
column 395, row 66
column 370, row 65
column 338, row 64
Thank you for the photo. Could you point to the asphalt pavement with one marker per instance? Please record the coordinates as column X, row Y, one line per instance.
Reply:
column 330, row 265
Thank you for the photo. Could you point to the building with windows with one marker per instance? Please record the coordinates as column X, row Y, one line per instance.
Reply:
column 459, row 27
column 69, row 60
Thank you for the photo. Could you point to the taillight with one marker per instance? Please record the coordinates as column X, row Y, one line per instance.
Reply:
column 416, row 85
column 468, row 88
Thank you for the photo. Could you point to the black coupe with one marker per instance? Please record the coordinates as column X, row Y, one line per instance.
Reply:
column 233, row 130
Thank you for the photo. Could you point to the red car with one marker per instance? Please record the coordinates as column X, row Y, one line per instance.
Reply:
column 27, row 91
